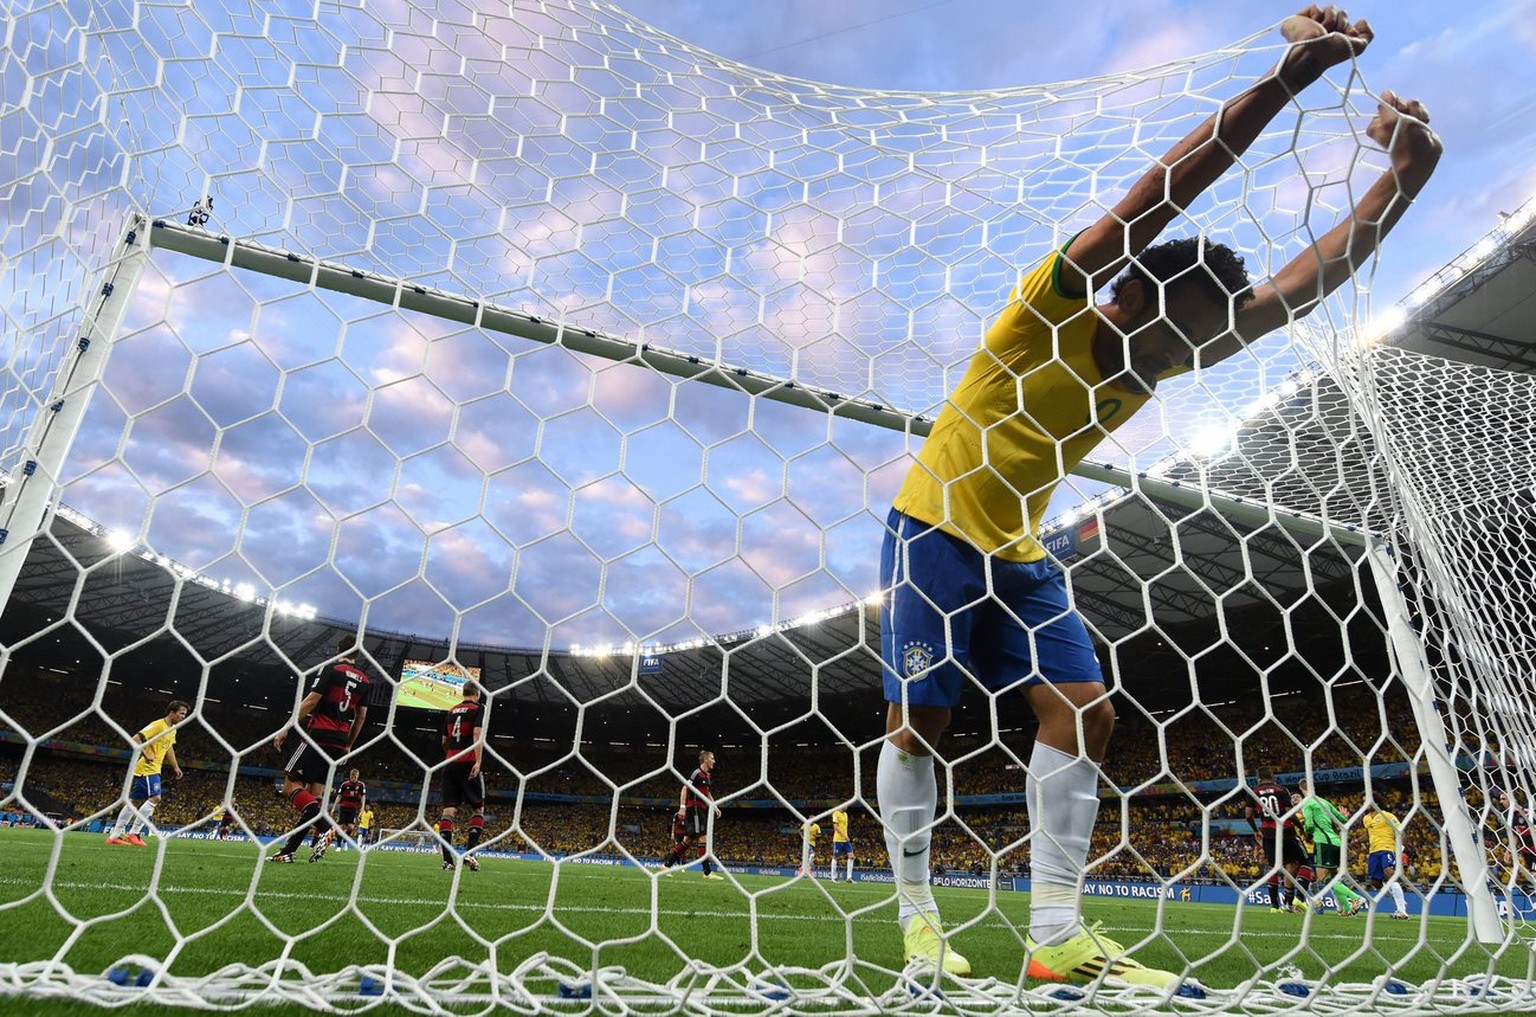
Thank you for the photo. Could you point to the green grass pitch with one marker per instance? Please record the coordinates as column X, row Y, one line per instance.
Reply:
column 656, row 922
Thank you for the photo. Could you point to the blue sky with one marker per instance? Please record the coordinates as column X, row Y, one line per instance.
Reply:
column 1472, row 71
column 432, row 478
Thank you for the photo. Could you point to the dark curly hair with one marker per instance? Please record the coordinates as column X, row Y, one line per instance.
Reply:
column 1217, row 269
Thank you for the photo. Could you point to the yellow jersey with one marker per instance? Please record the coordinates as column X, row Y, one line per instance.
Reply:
column 1381, row 830
column 839, row 827
column 365, row 819
column 1032, row 404
column 812, row 831
column 156, row 738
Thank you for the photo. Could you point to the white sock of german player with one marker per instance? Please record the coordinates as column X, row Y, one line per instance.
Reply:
column 1061, row 795
column 308, row 808
column 445, row 831
column 141, row 816
column 908, row 794
column 1396, row 889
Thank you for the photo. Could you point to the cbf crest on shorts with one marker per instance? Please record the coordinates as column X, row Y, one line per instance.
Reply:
column 916, row 660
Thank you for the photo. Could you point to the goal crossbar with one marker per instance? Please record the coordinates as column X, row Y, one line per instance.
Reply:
column 340, row 278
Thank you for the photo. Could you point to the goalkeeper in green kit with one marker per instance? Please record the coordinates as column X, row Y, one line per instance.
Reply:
column 1323, row 822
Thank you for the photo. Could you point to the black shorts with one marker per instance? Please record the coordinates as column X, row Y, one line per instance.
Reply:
column 459, row 788
column 310, row 764
column 346, row 815
column 696, row 821
column 1291, row 851
column 1327, row 856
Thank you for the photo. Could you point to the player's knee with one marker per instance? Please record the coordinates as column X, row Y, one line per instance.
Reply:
column 1098, row 719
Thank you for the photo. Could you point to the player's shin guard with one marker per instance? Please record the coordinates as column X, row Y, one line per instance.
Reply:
column 1062, row 798
column 445, row 831
column 908, row 794
column 308, row 807
column 476, row 830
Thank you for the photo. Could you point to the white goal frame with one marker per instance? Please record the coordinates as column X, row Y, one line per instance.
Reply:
column 34, row 483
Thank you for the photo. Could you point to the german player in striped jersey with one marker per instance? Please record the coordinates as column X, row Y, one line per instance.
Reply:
column 227, row 819
column 463, row 778
column 351, row 796
column 329, row 719
column 1269, row 817
column 1517, row 850
column 695, row 803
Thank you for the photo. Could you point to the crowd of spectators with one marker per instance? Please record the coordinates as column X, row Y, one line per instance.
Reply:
column 573, row 798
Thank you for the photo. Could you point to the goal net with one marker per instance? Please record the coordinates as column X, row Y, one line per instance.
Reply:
column 534, row 347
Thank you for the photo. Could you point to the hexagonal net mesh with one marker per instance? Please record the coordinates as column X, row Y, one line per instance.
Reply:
column 534, row 346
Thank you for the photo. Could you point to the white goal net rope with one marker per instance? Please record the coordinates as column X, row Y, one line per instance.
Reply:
column 534, row 340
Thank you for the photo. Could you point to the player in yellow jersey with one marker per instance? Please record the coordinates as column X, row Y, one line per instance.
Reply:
column 809, row 833
column 153, row 747
column 970, row 595
column 842, row 847
column 1384, row 836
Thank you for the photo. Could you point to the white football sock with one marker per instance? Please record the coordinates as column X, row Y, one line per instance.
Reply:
column 1061, row 794
column 909, row 796
column 141, row 817
column 1397, row 897
column 124, row 815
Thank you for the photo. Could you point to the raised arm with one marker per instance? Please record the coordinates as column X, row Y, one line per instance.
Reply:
column 1322, row 37
column 1401, row 126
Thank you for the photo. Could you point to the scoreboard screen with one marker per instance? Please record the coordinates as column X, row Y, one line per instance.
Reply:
column 428, row 686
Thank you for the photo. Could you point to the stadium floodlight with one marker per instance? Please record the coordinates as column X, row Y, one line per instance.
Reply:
column 1212, row 440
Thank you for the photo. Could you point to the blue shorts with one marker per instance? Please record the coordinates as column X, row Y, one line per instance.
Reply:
column 953, row 614
column 841, row 848
column 1378, row 864
column 145, row 788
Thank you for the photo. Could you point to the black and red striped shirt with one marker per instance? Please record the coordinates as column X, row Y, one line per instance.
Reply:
column 1273, row 802
column 700, row 793
column 351, row 794
column 342, row 688
column 459, row 729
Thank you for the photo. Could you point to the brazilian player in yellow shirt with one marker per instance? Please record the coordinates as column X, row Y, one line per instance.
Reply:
column 153, row 747
column 842, row 847
column 1383, row 835
column 809, row 833
column 971, row 596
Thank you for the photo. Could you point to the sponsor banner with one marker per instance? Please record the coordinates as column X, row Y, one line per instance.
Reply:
column 651, row 664
column 1337, row 775
column 1061, row 545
